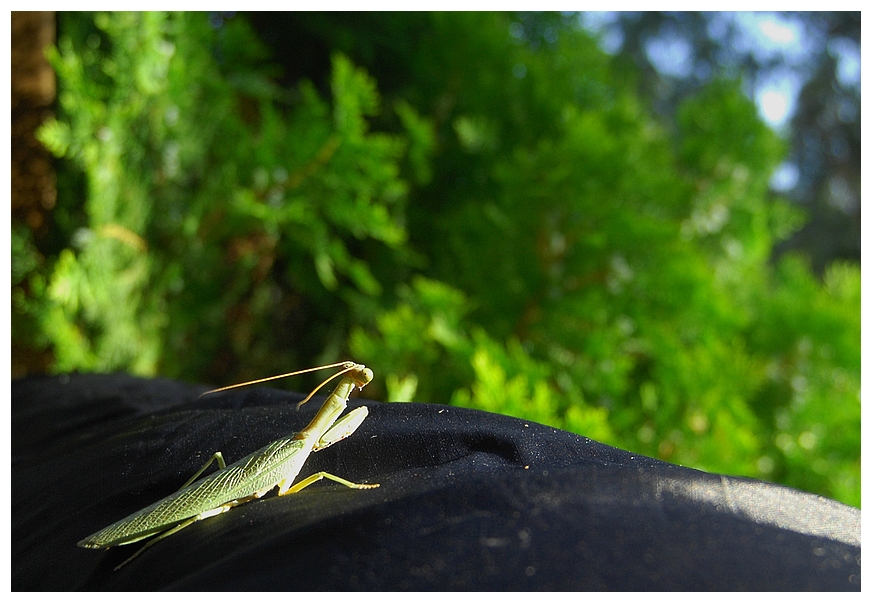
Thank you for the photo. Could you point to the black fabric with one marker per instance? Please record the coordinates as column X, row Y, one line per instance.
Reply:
column 468, row 500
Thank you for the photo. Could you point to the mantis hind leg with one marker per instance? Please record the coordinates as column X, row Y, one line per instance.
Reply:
column 158, row 538
column 215, row 457
column 319, row 476
column 184, row 524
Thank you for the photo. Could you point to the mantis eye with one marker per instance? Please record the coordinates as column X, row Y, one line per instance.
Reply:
column 363, row 377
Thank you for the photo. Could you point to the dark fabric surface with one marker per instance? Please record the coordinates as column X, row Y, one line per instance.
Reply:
column 468, row 500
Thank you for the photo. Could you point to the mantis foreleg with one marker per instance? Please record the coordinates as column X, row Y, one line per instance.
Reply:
column 342, row 428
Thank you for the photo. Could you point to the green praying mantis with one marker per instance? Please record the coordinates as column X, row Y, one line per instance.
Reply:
column 276, row 464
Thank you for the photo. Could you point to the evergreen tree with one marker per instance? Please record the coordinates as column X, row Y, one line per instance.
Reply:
column 480, row 206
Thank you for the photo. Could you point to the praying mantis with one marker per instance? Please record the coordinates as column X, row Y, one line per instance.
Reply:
column 276, row 464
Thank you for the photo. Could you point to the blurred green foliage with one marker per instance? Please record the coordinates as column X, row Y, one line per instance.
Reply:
column 510, row 229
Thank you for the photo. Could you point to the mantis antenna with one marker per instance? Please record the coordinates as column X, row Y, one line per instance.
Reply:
column 347, row 366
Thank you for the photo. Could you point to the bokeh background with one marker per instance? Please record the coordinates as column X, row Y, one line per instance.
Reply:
column 640, row 227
